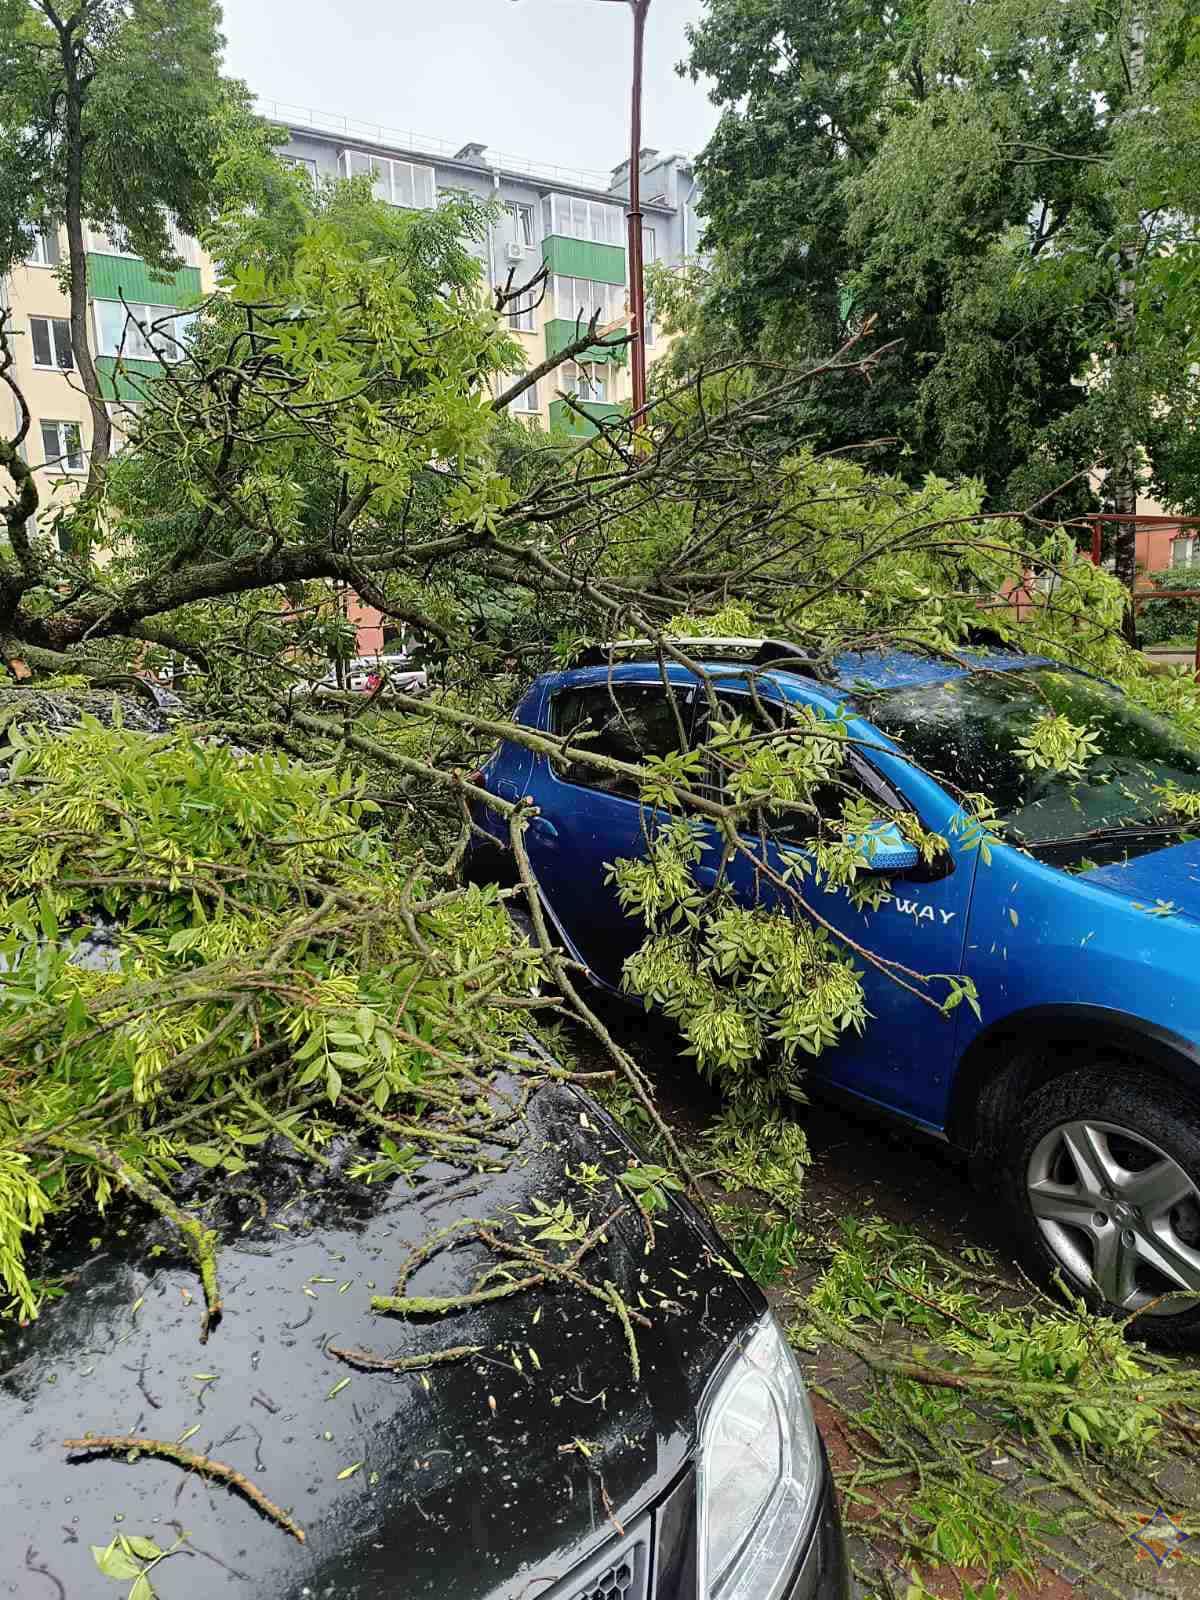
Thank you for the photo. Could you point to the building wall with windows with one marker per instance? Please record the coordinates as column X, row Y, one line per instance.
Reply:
column 573, row 222
column 59, row 437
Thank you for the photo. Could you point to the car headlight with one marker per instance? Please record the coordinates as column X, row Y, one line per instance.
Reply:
column 760, row 1471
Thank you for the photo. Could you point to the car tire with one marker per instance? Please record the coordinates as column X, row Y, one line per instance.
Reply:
column 1102, row 1173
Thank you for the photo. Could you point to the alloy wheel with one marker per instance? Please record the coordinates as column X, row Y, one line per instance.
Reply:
column 1119, row 1214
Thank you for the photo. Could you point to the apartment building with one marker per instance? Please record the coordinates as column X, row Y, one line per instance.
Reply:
column 572, row 221
column 40, row 331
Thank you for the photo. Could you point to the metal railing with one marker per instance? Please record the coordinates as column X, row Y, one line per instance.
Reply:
column 351, row 128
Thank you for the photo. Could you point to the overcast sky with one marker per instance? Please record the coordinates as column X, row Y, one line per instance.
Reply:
column 544, row 79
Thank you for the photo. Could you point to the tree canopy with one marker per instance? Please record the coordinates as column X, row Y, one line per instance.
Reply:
column 113, row 114
column 997, row 189
column 281, row 870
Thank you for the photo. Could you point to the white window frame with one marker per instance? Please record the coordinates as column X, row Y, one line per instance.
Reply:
column 520, row 313
column 129, row 343
column 1183, row 550
column 527, row 402
column 57, row 345
column 649, row 237
column 305, row 164
column 579, row 297
column 572, row 217
column 63, row 458
column 39, row 255
column 99, row 244
column 388, row 176
column 524, row 224
column 120, row 413
column 581, row 379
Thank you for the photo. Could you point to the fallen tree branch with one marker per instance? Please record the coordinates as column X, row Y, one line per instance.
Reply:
column 132, row 1445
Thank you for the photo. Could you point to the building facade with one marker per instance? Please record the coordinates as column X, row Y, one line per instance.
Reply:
column 573, row 222
column 123, row 292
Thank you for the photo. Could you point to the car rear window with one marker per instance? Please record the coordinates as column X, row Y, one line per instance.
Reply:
column 625, row 721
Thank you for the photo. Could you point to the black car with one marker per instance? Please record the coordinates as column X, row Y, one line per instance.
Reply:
column 568, row 1453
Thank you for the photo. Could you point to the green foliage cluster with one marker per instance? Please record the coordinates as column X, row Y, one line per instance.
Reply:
column 1163, row 620
column 964, row 1380
column 204, row 949
column 1006, row 191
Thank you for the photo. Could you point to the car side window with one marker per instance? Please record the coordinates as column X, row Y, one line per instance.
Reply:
column 801, row 827
column 625, row 721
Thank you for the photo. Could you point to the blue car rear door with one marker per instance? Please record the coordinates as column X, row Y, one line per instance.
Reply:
column 904, row 1058
column 588, row 818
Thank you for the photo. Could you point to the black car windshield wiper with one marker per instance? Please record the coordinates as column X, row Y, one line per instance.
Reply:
column 1125, row 830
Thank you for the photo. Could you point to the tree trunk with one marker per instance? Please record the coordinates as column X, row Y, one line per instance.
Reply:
column 1123, row 471
column 75, row 83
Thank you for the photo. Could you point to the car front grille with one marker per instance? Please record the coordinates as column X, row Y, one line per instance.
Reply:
column 619, row 1572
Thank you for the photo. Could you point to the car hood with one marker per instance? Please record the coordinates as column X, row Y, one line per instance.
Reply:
column 480, row 1478
column 1169, row 877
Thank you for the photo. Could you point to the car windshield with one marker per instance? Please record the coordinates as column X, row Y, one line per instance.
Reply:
column 967, row 732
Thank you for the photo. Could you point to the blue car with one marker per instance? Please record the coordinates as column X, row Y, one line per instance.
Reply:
column 1076, row 1095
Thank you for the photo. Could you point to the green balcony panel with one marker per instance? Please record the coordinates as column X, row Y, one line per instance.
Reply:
column 560, row 331
column 565, row 419
column 110, row 277
column 581, row 258
column 130, row 383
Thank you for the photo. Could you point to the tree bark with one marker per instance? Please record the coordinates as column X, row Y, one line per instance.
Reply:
column 75, row 82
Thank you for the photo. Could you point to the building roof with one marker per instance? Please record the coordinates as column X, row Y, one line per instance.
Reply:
column 473, row 156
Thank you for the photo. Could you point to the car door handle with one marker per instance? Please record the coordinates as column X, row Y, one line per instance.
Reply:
column 544, row 827
column 508, row 791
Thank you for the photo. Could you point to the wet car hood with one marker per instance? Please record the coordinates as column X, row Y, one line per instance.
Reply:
column 1168, row 876
column 489, row 1476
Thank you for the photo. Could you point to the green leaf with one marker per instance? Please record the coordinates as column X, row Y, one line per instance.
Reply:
column 114, row 1563
column 141, row 1546
column 206, row 1155
column 142, row 1588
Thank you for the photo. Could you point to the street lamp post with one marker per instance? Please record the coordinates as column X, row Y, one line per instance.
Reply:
column 637, row 318
column 637, row 287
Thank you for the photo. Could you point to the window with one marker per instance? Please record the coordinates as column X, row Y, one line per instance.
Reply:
column 62, row 446
column 124, row 415
column 586, row 380
column 303, row 164
column 573, row 218
column 520, row 312
column 45, row 249
column 527, row 400
column 624, row 721
column 521, row 224
column 185, row 247
column 649, row 245
column 580, row 297
column 649, row 328
column 103, row 244
column 400, row 183
column 855, row 779
column 52, row 343
column 119, row 334
column 968, row 732
column 1183, row 551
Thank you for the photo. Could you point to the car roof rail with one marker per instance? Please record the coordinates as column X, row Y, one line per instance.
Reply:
column 751, row 652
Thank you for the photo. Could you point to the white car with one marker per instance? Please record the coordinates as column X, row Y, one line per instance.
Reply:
column 364, row 672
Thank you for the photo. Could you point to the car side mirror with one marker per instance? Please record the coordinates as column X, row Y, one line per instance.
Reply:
column 884, row 848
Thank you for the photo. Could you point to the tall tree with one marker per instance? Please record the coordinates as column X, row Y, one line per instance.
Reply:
column 988, row 184
column 113, row 113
